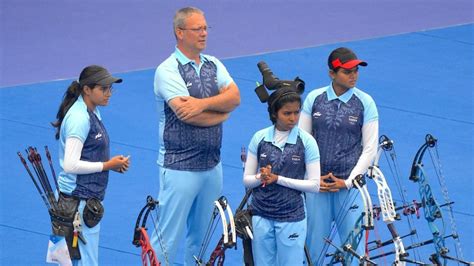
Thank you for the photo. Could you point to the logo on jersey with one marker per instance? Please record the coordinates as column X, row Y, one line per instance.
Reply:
column 98, row 136
column 189, row 84
column 296, row 158
column 317, row 115
column 353, row 119
column 263, row 155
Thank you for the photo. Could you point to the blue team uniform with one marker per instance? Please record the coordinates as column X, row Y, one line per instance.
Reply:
column 86, row 126
column 337, row 127
column 189, row 156
column 279, row 221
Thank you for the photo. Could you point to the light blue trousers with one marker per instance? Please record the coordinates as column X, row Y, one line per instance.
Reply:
column 186, row 202
column 89, row 251
column 322, row 210
column 278, row 243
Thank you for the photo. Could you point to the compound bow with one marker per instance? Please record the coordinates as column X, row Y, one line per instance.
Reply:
column 218, row 254
column 387, row 207
column 432, row 210
column 140, row 235
column 364, row 223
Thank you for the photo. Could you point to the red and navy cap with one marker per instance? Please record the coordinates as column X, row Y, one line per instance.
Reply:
column 343, row 57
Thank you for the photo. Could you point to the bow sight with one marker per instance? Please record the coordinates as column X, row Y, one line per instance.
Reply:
column 271, row 82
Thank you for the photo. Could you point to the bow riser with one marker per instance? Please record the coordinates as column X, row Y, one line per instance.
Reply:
column 384, row 194
column 221, row 206
column 140, row 236
column 432, row 210
column 389, row 214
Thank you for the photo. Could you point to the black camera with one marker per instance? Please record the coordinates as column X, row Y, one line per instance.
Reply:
column 270, row 82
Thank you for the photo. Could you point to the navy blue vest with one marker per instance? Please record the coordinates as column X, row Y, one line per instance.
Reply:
column 338, row 128
column 96, row 149
column 188, row 147
column 277, row 202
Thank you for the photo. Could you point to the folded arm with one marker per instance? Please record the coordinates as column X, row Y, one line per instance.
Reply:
column 202, row 119
column 225, row 102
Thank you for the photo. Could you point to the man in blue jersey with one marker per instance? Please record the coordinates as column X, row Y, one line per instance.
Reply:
column 344, row 121
column 194, row 95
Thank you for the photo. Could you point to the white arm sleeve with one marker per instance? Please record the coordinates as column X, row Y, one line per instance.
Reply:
column 305, row 122
column 251, row 178
column 309, row 184
column 370, row 133
column 72, row 155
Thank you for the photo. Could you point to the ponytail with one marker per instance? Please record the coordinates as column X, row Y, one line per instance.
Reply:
column 69, row 98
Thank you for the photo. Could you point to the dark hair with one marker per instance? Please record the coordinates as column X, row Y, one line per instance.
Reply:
column 71, row 95
column 343, row 57
column 334, row 55
column 279, row 98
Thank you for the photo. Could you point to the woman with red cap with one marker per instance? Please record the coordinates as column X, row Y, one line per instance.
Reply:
column 344, row 121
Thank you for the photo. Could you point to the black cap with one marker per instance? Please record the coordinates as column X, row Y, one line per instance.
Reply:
column 345, row 58
column 100, row 76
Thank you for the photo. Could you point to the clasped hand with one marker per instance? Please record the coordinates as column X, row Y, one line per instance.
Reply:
column 331, row 183
column 266, row 176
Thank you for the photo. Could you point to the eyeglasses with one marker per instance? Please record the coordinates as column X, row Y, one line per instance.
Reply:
column 198, row 30
column 106, row 90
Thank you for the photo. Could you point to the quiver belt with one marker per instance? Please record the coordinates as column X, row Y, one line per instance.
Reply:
column 62, row 221
column 243, row 220
column 93, row 212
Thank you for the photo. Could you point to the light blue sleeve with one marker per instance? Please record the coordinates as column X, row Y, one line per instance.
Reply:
column 256, row 139
column 311, row 147
column 76, row 125
column 168, row 82
column 370, row 112
column 370, row 109
column 308, row 104
column 309, row 101
column 223, row 76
